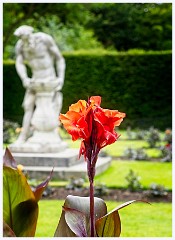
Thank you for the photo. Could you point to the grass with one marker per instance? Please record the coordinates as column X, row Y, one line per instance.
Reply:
column 117, row 149
column 142, row 220
column 49, row 214
column 150, row 172
column 138, row 219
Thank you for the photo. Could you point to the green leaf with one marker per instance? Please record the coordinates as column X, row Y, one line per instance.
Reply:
column 76, row 220
column 81, row 204
column 109, row 225
column 18, row 195
column 25, row 218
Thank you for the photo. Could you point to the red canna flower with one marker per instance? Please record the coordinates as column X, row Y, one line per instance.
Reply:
column 105, row 121
column 95, row 126
column 91, row 123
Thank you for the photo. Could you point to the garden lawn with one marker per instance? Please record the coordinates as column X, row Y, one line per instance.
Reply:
column 138, row 219
column 150, row 172
column 117, row 149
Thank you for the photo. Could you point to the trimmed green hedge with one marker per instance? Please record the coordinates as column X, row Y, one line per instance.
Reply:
column 136, row 82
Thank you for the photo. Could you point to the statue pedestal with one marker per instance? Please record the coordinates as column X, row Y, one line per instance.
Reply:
column 38, row 147
column 45, row 138
column 65, row 158
column 66, row 164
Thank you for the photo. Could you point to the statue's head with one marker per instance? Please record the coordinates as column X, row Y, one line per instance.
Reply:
column 23, row 31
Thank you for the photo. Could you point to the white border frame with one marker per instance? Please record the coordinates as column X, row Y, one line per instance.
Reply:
column 1, row 95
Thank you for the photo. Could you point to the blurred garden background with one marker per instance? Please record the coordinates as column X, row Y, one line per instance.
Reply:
column 122, row 52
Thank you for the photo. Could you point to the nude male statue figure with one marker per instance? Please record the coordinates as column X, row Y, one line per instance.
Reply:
column 47, row 64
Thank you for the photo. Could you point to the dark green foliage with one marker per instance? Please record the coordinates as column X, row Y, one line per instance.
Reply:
column 133, row 25
column 137, row 83
column 52, row 18
column 120, row 26
column 13, row 93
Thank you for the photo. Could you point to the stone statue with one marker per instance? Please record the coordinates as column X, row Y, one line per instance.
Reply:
column 43, row 100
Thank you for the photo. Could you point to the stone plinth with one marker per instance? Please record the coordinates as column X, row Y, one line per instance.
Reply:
column 47, row 143
column 65, row 158
column 65, row 164
column 65, row 173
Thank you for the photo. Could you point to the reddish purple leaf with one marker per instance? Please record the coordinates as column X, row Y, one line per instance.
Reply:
column 8, row 159
column 41, row 187
column 76, row 221
column 7, row 231
column 128, row 203
column 82, row 205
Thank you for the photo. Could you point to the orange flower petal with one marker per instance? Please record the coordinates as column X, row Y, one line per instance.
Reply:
column 79, row 107
column 95, row 100
column 75, row 125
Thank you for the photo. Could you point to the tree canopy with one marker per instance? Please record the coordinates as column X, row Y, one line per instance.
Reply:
column 119, row 26
column 133, row 25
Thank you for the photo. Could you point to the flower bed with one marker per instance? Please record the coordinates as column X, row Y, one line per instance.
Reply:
column 111, row 195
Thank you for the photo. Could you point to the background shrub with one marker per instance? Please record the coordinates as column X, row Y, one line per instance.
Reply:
column 136, row 82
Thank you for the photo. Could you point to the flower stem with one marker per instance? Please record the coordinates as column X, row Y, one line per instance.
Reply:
column 92, row 210
column 91, row 174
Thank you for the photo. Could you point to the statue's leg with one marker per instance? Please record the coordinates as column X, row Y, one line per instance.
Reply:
column 57, row 103
column 28, row 104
